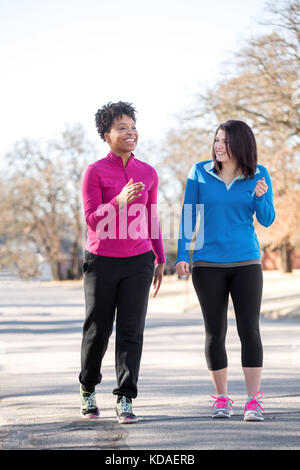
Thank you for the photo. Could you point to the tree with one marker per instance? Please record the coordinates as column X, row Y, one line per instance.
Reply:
column 34, row 202
column 43, row 201
column 73, row 150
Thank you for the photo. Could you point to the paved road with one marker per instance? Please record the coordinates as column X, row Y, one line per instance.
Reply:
column 40, row 334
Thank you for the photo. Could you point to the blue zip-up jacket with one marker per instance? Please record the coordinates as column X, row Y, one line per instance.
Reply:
column 226, row 232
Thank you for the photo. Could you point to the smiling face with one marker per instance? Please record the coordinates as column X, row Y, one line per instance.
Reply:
column 221, row 147
column 123, row 136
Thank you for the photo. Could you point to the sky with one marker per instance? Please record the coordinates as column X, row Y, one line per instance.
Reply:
column 61, row 60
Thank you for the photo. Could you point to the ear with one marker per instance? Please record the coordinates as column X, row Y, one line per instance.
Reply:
column 107, row 137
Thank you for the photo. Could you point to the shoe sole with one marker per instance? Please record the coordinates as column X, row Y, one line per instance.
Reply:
column 90, row 416
column 127, row 421
column 253, row 418
column 221, row 415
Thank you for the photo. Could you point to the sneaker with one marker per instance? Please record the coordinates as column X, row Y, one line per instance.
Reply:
column 222, row 407
column 253, row 411
column 89, row 407
column 124, row 411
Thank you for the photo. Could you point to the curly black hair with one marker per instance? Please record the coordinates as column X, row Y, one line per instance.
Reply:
column 105, row 116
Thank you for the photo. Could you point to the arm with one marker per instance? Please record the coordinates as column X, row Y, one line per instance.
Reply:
column 154, row 231
column 188, row 217
column 263, row 203
column 94, row 209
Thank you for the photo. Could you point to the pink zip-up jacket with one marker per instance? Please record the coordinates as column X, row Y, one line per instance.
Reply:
column 129, row 231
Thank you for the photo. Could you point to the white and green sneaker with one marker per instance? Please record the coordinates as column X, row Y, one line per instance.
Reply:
column 124, row 411
column 89, row 407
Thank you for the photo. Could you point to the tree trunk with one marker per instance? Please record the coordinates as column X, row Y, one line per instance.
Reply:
column 286, row 251
column 75, row 268
column 55, row 268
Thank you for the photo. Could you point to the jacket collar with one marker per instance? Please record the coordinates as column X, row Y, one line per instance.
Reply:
column 209, row 168
column 117, row 159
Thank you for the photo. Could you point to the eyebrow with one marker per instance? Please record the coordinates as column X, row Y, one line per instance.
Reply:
column 124, row 123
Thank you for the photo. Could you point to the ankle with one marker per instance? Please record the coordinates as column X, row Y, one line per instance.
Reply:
column 87, row 389
column 121, row 396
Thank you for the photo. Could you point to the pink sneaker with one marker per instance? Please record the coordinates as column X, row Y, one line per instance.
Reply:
column 222, row 407
column 253, row 411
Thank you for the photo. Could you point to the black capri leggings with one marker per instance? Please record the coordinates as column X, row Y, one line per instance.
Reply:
column 213, row 285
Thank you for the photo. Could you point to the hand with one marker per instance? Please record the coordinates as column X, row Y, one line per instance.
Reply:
column 261, row 187
column 182, row 268
column 129, row 193
column 158, row 276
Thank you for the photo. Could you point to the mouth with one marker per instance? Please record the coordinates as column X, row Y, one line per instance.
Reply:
column 130, row 141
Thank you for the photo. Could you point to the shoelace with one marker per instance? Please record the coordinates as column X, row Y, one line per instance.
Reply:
column 221, row 401
column 125, row 405
column 90, row 401
column 253, row 404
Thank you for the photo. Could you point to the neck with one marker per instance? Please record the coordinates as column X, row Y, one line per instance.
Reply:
column 230, row 168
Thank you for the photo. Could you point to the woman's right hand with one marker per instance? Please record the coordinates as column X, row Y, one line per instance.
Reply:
column 182, row 268
column 129, row 193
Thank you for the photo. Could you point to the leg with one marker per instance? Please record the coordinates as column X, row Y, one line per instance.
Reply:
column 219, row 379
column 246, row 292
column 132, row 306
column 211, row 286
column 100, row 287
column 252, row 379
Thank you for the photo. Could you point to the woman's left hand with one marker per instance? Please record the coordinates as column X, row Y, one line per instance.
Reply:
column 261, row 187
column 158, row 276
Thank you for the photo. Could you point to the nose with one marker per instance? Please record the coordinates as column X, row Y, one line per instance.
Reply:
column 220, row 146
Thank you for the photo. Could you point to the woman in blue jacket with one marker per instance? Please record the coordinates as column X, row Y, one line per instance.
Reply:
column 227, row 191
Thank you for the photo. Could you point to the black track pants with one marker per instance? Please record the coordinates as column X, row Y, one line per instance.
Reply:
column 213, row 286
column 121, row 286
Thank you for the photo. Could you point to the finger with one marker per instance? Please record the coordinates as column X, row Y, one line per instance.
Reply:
column 157, row 285
column 133, row 191
column 178, row 270
column 138, row 186
column 138, row 183
column 134, row 188
column 132, row 198
column 263, row 187
column 186, row 268
column 129, row 182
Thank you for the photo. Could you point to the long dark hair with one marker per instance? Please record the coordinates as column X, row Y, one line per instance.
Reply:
column 241, row 144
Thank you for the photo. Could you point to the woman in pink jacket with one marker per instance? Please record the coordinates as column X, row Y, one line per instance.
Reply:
column 123, row 241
